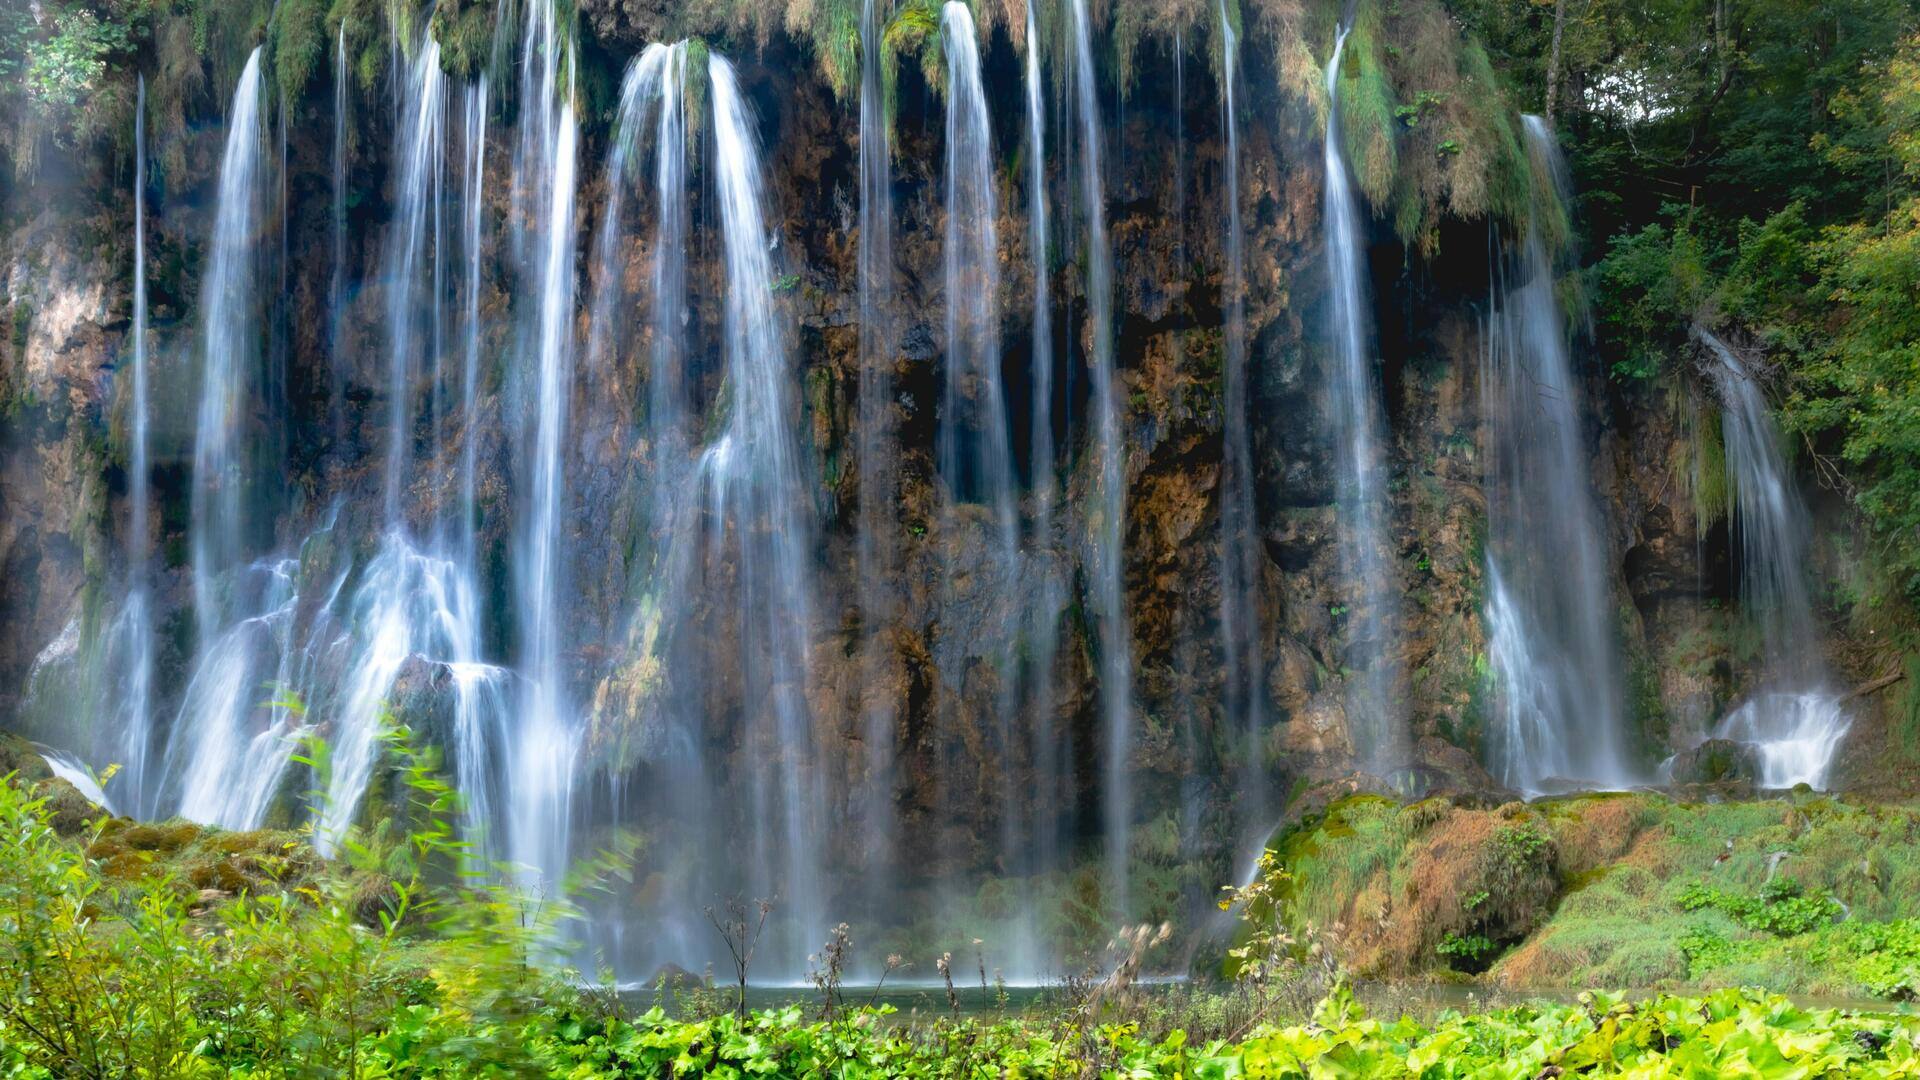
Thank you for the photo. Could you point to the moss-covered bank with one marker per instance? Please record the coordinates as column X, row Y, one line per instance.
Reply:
column 1805, row 894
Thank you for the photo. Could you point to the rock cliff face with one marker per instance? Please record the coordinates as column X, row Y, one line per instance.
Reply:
column 957, row 783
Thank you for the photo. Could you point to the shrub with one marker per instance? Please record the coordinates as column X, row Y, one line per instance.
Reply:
column 1782, row 909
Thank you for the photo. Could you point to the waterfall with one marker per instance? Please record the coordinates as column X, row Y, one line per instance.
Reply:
column 660, row 687
column 413, row 237
column 337, row 284
column 542, row 780
column 481, row 698
column 653, row 90
column 1050, row 759
column 407, row 605
column 757, row 497
column 1560, row 713
column 1372, row 624
column 876, row 508
column 473, row 195
column 1107, row 519
column 1794, row 720
column 1239, row 540
column 228, row 749
column 75, row 772
column 975, row 459
column 137, row 740
column 227, row 390
column 416, row 600
column 975, row 445
column 338, row 658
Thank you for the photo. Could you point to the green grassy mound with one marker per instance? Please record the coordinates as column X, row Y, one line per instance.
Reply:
column 1809, row 895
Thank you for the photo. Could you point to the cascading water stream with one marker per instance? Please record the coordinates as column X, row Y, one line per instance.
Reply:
column 1045, row 751
column 661, row 681
column 975, row 456
column 1239, row 544
column 415, row 600
column 337, row 284
column 413, row 239
column 339, row 657
column 227, row 390
column 1560, row 713
column 1794, row 720
column 408, row 606
column 541, row 783
column 473, row 193
column 1107, row 517
column 757, row 499
column 227, row 751
column 1372, row 625
column 975, row 444
column 876, row 501
column 137, row 727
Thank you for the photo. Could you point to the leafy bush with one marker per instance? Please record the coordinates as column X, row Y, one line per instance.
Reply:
column 1782, row 908
column 1651, row 284
column 141, row 977
column 1889, row 957
column 1469, row 952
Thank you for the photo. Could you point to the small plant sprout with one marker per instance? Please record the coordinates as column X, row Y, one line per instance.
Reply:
column 945, row 965
column 894, row 962
column 828, row 965
column 740, row 924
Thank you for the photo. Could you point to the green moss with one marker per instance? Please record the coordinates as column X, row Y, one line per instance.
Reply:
column 297, row 44
column 833, row 29
column 465, row 34
column 1367, row 109
column 912, row 33
column 1334, row 855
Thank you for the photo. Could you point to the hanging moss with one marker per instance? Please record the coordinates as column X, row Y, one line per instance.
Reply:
column 297, row 44
column 465, row 33
column 1698, row 463
column 832, row 28
column 1132, row 22
column 694, row 95
column 362, row 21
column 914, row 31
column 231, row 33
column 1367, row 109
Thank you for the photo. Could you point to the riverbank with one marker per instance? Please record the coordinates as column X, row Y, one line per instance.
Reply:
column 1802, row 894
column 174, row 950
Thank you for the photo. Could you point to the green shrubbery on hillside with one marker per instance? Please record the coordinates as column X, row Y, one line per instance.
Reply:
column 121, row 954
column 1808, row 895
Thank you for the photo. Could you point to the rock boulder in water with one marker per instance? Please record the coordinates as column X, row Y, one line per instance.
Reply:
column 1717, row 761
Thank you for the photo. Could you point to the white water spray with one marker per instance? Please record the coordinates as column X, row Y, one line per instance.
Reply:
column 1372, row 625
column 227, row 380
column 1794, row 720
column 1560, row 712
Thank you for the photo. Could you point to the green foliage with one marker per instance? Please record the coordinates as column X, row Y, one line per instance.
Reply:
column 116, row 964
column 1651, row 285
column 1888, row 963
column 1367, row 123
column 71, row 61
column 465, row 34
column 1705, row 951
column 139, row 976
column 833, row 28
column 56, row 58
column 297, row 41
column 1470, row 952
column 1699, row 467
column 1782, row 908
column 913, row 32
